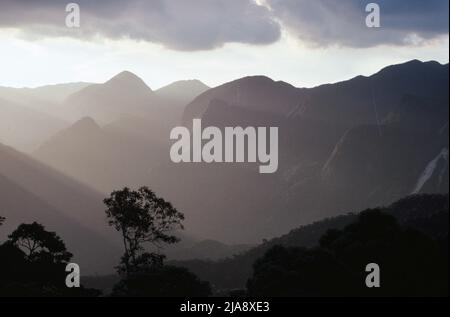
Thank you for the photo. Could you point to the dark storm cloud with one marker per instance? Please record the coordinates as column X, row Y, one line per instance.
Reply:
column 177, row 24
column 330, row 22
column 206, row 24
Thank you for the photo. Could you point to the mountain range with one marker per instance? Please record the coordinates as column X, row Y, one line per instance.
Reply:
column 25, row 128
column 426, row 213
column 343, row 147
column 348, row 146
column 31, row 191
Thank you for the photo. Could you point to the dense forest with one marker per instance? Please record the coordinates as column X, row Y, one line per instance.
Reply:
column 426, row 215
column 408, row 240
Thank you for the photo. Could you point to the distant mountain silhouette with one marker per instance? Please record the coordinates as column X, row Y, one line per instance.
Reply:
column 426, row 213
column 104, row 158
column 44, row 99
column 346, row 146
column 49, row 93
column 124, row 93
column 31, row 191
column 118, row 121
column 254, row 93
column 350, row 102
column 25, row 128
column 182, row 91
column 205, row 250
column 127, row 94
column 364, row 142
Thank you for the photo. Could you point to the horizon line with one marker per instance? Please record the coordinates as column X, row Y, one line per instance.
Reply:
column 215, row 86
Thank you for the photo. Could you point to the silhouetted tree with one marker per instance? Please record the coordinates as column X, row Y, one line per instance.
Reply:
column 142, row 217
column 39, row 243
column 163, row 281
column 33, row 263
column 2, row 220
column 299, row 272
column 412, row 263
column 425, row 213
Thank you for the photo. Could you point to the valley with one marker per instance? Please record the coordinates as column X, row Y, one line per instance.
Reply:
column 332, row 157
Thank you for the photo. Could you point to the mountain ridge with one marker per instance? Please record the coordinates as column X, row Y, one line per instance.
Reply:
column 342, row 147
column 30, row 191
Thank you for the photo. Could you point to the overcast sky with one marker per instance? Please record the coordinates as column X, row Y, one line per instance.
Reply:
column 303, row 42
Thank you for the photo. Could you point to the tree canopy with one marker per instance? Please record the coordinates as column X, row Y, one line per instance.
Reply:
column 164, row 281
column 33, row 264
column 411, row 263
column 144, row 218
column 141, row 217
column 37, row 243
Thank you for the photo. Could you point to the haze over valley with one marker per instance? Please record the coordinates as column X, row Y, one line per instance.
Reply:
column 365, row 142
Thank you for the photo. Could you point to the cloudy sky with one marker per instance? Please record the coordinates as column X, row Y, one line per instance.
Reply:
column 302, row 42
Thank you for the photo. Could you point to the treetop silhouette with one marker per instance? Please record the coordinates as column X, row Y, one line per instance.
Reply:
column 37, row 242
column 142, row 217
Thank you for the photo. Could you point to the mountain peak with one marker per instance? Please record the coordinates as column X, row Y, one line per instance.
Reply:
column 185, row 84
column 85, row 124
column 411, row 66
column 256, row 78
column 185, row 90
column 125, row 75
column 261, row 81
column 126, row 79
